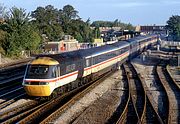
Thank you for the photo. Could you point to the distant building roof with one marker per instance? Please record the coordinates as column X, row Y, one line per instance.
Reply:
column 104, row 29
column 153, row 28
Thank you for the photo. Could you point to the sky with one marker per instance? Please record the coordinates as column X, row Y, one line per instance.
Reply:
column 136, row 12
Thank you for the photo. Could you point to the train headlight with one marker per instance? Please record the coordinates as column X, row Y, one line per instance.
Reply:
column 43, row 83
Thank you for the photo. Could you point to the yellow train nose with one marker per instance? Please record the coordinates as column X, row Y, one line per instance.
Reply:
column 38, row 90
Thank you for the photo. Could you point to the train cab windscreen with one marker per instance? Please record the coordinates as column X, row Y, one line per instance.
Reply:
column 39, row 71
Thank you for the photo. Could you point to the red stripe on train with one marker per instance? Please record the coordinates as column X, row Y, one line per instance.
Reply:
column 73, row 73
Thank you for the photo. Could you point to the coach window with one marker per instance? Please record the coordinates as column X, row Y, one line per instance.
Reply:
column 70, row 68
column 59, row 70
column 94, row 60
column 87, row 63
column 100, row 59
column 53, row 73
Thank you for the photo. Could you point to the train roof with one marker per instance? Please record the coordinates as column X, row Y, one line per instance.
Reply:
column 64, row 57
column 136, row 39
column 106, row 48
column 140, row 38
column 85, row 53
column 121, row 44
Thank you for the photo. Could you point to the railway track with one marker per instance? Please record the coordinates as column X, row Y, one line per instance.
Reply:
column 161, row 114
column 173, row 77
column 10, row 101
column 173, row 93
column 138, row 112
column 39, row 112
column 139, row 106
column 152, row 114
column 11, row 95
column 137, row 92
column 51, row 118
column 121, row 111
column 11, row 91
column 129, row 110
column 15, row 113
column 11, row 82
column 12, row 73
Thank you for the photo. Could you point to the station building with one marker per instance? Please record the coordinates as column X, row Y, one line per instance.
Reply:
column 67, row 44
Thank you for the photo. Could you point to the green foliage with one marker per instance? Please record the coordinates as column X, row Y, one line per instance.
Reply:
column 79, row 37
column 102, row 24
column 46, row 20
column 55, row 23
column 96, row 32
column 2, row 40
column 116, row 23
column 3, row 11
column 68, row 18
column 69, row 12
column 21, row 35
column 80, row 30
column 173, row 25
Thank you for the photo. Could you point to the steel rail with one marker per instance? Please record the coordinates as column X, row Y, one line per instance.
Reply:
column 171, row 89
column 17, row 117
column 149, row 99
column 171, row 77
column 59, row 111
column 132, row 89
column 122, row 117
column 20, row 88
column 5, row 116
column 4, row 104
column 142, row 89
column 142, row 96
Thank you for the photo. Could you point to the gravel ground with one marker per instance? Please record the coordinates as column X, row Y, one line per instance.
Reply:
column 98, row 105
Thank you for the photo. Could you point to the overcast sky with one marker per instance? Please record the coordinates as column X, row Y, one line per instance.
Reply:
column 142, row 12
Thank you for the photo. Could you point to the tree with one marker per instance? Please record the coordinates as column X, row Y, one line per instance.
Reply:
column 173, row 25
column 3, row 11
column 69, row 12
column 116, row 23
column 17, row 18
column 47, row 21
column 3, row 35
column 96, row 32
column 55, row 23
column 88, row 21
column 21, row 35
column 66, row 16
